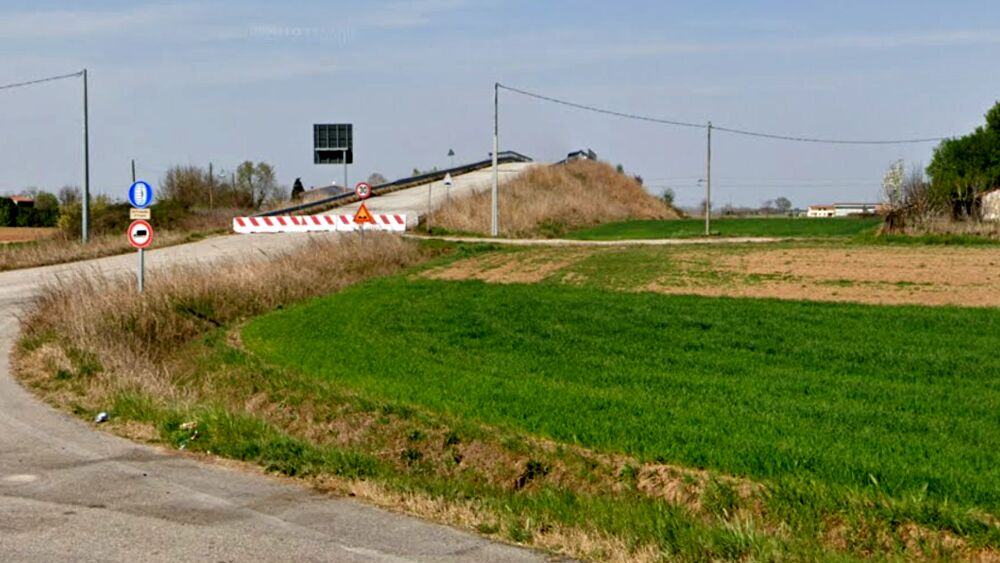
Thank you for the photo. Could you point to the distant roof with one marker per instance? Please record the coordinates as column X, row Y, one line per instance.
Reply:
column 855, row 204
column 21, row 199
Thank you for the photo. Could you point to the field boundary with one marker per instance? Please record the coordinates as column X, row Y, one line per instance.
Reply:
column 631, row 242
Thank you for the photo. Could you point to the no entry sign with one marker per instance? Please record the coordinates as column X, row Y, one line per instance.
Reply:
column 140, row 234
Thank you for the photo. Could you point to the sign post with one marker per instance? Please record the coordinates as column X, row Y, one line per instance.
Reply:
column 140, row 232
column 447, row 187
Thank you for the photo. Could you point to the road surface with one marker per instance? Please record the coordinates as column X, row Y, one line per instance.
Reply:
column 413, row 201
column 70, row 493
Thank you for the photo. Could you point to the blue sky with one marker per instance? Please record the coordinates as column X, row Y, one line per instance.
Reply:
column 200, row 82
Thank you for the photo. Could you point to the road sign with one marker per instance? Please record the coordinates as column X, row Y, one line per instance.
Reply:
column 140, row 234
column 333, row 143
column 140, row 195
column 363, row 215
column 145, row 214
column 363, row 190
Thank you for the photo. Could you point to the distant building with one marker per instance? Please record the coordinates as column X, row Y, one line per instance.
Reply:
column 22, row 201
column 991, row 205
column 843, row 210
column 587, row 154
column 848, row 209
column 821, row 211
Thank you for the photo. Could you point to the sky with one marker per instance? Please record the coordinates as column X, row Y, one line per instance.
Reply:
column 227, row 81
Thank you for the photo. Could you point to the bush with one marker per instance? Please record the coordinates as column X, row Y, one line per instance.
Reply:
column 8, row 212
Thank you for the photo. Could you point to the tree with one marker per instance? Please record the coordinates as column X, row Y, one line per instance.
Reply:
column 783, row 204
column 69, row 196
column 297, row 189
column 377, row 179
column 668, row 196
column 620, row 169
column 187, row 186
column 256, row 183
column 963, row 168
column 8, row 212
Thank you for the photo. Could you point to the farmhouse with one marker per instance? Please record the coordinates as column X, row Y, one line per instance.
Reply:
column 22, row 201
column 820, row 211
column 843, row 209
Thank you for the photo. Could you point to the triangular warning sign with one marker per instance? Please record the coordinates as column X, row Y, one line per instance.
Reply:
column 363, row 215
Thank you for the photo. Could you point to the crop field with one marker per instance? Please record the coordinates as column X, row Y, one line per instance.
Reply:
column 24, row 234
column 819, row 271
column 846, row 394
column 753, row 227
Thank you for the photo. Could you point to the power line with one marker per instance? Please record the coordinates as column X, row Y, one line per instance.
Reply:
column 40, row 80
column 731, row 130
column 604, row 111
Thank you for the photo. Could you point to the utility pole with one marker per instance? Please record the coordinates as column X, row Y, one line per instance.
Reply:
column 211, row 188
column 708, row 184
column 495, row 226
column 85, row 205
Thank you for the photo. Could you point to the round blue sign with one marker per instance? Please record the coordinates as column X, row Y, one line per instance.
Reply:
column 140, row 195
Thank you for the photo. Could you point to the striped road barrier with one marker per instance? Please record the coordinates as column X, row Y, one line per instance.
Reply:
column 394, row 222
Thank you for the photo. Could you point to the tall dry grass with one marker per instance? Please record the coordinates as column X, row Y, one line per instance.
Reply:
column 126, row 338
column 552, row 200
column 61, row 250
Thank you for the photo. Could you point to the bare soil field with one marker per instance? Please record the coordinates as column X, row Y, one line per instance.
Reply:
column 25, row 234
column 912, row 275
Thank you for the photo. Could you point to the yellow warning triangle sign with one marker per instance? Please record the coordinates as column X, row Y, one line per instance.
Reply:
column 363, row 215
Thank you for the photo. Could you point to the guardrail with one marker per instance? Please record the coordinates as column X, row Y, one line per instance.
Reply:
column 502, row 158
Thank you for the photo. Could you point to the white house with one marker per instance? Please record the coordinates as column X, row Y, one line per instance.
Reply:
column 821, row 211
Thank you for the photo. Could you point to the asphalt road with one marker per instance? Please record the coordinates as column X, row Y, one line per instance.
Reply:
column 71, row 493
column 414, row 201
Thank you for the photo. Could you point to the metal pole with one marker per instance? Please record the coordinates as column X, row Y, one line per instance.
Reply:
column 142, row 270
column 708, row 184
column 85, row 205
column 346, row 187
column 211, row 188
column 133, row 170
column 495, row 225
column 429, row 208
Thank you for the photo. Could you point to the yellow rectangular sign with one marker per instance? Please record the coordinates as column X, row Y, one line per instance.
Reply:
column 135, row 214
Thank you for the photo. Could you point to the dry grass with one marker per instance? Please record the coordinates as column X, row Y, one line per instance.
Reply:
column 129, row 337
column 60, row 250
column 945, row 226
column 551, row 200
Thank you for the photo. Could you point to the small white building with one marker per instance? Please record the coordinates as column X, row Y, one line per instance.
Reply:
column 821, row 211
column 991, row 205
column 848, row 209
column 843, row 209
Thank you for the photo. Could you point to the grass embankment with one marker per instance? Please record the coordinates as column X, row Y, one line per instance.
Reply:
column 736, row 227
column 550, row 201
column 60, row 250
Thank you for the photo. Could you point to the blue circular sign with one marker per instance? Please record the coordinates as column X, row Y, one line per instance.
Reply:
column 140, row 195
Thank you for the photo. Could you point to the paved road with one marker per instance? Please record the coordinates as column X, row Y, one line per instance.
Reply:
column 69, row 493
column 413, row 201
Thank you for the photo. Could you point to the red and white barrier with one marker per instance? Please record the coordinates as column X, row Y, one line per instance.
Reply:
column 395, row 222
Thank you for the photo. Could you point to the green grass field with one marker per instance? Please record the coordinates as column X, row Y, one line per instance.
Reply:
column 902, row 399
column 754, row 227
